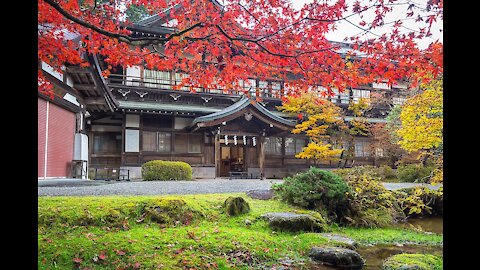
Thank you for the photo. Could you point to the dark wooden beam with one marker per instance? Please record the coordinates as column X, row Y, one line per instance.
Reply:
column 86, row 87
column 77, row 69
column 261, row 158
column 94, row 100
column 217, row 155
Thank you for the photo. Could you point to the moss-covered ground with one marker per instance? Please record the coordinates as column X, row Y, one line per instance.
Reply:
column 189, row 232
column 413, row 261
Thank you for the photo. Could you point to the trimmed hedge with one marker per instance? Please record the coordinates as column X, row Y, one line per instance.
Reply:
column 166, row 170
column 412, row 173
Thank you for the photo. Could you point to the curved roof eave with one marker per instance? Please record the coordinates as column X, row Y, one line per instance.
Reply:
column 239, row 106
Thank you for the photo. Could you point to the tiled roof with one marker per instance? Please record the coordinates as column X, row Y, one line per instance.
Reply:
column 238, row 106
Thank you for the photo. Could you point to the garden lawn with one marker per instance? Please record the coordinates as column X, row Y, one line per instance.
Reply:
column 111, row 233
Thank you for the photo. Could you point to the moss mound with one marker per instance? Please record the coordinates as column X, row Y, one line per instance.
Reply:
column 413, row 262
column 235, row 206
column 293, row 222
column 118, row 212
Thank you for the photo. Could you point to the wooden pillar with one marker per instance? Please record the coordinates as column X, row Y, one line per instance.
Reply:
column 217, row 155
column 261, row 157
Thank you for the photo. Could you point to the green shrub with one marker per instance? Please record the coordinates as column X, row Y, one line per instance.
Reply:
column 386, row 173
column 414, row 173
column 166, row 170
column 315, row 189
column 413, row 261
column 420, row 201
column 370, row 203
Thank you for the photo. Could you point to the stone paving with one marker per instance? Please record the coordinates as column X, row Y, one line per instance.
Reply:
column 76, row 187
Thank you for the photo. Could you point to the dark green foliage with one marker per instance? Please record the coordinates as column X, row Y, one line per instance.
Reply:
column 414, row 173
column 413, row 262
column 235, row 206
column 420, row 201
column 166, row 170
column 315, row 189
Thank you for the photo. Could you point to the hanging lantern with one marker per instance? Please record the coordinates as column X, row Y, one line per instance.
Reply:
column 244, row 140
column 226, row 140
column 254, row 140
column 235, row 139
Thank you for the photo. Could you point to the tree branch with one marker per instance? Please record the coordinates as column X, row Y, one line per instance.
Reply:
column 120, row 37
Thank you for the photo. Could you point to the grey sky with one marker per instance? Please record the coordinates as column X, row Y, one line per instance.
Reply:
column 399, row 12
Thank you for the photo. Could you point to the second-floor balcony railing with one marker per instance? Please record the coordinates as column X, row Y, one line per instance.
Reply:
column 254, row 87
column 269, row 90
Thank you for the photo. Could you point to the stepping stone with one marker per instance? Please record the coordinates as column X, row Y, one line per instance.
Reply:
column 337, row 257
column 260, row 194
column 292, row 222
column 350, row 243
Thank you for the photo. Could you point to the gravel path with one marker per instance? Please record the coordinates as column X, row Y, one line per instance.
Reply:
column 62, row 188
column 75, row 187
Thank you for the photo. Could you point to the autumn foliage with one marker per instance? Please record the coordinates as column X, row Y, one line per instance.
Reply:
column 320, row 119
column 221, row 44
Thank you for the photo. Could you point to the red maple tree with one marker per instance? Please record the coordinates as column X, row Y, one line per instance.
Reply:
column 222, row 44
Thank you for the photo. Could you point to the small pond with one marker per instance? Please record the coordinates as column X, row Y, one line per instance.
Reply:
column 375, row 255
column 427, row 224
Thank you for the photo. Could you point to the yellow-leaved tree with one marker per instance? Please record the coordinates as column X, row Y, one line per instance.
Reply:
column 320, row 119
column 422, row 125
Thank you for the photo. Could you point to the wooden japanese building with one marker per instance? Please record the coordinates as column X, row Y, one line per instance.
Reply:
column 135, row 116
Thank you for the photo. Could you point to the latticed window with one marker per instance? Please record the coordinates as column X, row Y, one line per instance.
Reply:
column 335, row 96
column 179, row 76
column 276, row 88
column 293, row 145
column 358, row 94
column 362, row 149
column 107, row 142
column 345, row 96
column 156, row 141
column 273, row 145
column 399, row 100
column 188, row 143
column 156, row 79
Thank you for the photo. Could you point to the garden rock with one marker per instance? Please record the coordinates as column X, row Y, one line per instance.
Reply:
column 337, row 257
column 235, row 206
column 293, row 222
column 348, row 242
column 260, row 194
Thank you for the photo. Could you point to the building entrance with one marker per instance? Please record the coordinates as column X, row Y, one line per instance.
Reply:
column 232, row 160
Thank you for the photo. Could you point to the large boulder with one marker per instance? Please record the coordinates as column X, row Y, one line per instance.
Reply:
column 413, row 262
column 337, row 257
column 293, row 222
column 260, row 194
column 235, row 206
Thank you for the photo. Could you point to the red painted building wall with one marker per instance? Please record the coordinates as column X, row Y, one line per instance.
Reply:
column 42, row 117
column 60, row 140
